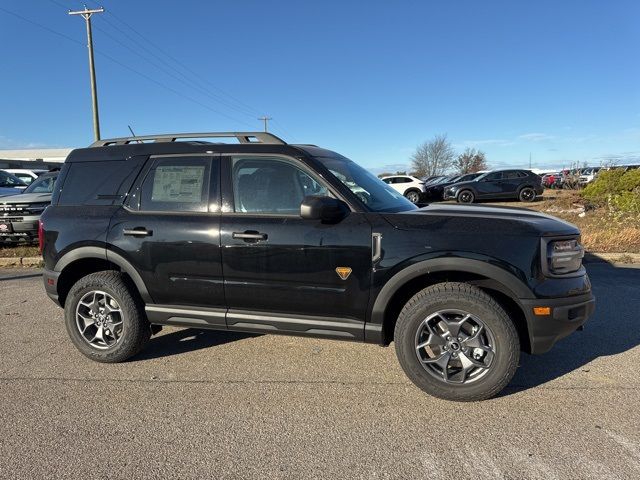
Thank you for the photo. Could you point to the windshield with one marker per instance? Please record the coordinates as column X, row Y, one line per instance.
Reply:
column 370, row 190
column 10, row 181
column 42, row 185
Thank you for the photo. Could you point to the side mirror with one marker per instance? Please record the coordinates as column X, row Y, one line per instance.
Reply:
column 325, row 209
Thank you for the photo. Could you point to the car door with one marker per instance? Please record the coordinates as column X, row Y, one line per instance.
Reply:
column 490, row 186
column 512, row 179
column 283, row 272
column 169, row 230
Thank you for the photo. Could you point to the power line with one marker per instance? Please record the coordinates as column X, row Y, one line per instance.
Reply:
column 117, row 62
column 248, row 110
column 265, row 119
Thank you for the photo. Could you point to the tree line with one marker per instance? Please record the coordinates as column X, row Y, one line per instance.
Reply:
column 437, row 156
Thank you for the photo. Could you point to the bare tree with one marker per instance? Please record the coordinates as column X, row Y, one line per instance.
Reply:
column 433, row 157
column 471, row 161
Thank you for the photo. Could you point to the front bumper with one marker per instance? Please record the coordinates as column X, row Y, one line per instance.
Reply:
column 23, row 228
column 567, row 315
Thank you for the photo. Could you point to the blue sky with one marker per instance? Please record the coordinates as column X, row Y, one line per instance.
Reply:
column 372, row 80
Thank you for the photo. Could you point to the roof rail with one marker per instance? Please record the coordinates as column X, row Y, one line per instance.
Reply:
column 242, row 137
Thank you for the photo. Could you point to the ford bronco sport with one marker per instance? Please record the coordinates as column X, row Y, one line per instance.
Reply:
column 261, row 236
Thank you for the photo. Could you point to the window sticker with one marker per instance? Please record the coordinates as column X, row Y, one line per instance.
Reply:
column 178, row 184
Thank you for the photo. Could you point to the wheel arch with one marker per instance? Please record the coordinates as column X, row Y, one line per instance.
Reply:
column 503, row 286
column 90, row 259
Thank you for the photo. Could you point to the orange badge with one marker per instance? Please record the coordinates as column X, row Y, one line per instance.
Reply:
column 343, row 272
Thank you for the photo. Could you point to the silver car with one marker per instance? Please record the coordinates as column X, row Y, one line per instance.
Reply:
column 19, row 214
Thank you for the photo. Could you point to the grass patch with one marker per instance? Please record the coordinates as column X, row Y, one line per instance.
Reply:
column 603, row 230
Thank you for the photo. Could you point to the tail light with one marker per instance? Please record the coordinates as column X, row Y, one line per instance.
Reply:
column 40, row 235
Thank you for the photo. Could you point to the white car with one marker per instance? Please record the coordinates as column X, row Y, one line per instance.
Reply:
column 410, row 187
column 27, row 175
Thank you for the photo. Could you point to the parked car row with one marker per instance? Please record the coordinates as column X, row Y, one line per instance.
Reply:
column 577, row 177
column 21, row 209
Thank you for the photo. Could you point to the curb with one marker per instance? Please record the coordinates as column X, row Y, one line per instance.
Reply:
column 21, row 262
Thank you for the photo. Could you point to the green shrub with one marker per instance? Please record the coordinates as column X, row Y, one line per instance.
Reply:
column 616, row 189
column 630, row 180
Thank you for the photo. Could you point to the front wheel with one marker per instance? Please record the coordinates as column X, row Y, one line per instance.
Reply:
column 466, row 196
column 413, row 196
column 105, row 319
column 456, row 342
column 527, row 194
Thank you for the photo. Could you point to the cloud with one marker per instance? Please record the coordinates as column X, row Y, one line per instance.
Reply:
column 390, row 168
column 536, row 137
column 499, row 142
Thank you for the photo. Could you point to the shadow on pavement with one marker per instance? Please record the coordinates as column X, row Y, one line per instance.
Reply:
column 614, row 328
column 187, row 340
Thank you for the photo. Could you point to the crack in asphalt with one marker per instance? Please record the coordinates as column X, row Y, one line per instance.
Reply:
column 283, row 382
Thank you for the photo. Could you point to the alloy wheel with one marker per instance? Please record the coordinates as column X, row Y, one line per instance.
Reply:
column 413, row 197
column 99, row 319
column 455, row 346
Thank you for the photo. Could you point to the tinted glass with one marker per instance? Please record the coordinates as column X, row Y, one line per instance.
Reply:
column 177, row 184
column 8, row 180
column 25, row 177
column 271, row 186
column 511, row 174
column 97, row 183
column 42, row 185
column 493, row 176
column 376, row 195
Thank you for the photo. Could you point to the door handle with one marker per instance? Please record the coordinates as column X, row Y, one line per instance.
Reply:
column 138, row 232
column 249, row 235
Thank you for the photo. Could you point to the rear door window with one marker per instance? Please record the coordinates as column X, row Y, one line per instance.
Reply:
column 178, row 184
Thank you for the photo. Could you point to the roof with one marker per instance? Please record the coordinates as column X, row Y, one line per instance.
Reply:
column 46, row 154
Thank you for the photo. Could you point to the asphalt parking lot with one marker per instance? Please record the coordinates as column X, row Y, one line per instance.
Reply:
column 204, row 404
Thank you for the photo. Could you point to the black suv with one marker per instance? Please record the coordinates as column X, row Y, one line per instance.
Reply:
column 262, row 236
column 522, row 185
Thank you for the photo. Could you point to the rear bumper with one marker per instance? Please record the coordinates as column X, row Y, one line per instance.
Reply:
column 567, row 315
column 50, row 279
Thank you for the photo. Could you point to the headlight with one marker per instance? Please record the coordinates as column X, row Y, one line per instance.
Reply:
column 564, row 256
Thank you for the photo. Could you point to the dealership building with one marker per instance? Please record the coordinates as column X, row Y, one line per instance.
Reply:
column 47, row 158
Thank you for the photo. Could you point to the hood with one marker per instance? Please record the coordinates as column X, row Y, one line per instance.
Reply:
column 477, row 220
column 27, row 198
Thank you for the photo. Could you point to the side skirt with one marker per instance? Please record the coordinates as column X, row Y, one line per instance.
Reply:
column 259, row 322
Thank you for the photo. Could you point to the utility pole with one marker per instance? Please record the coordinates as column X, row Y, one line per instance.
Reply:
column 86, row 14
column 265, row 119
column 529, row 160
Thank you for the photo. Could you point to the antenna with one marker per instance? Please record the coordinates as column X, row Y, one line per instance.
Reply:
column 133, row 134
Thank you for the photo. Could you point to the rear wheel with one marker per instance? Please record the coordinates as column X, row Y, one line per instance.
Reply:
column 527, row 194
column 466, row 196
column 105, row 319
column 456, row 342
column 413, row 196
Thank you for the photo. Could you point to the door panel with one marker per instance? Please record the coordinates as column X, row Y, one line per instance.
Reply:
column 170, row 231
column 294, row 269
column 278, row 262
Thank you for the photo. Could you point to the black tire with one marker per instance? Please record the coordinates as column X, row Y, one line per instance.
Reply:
column 413, row 196
column 527, row 194
column 458, row 296
column 136, row 330
column 466, row 196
